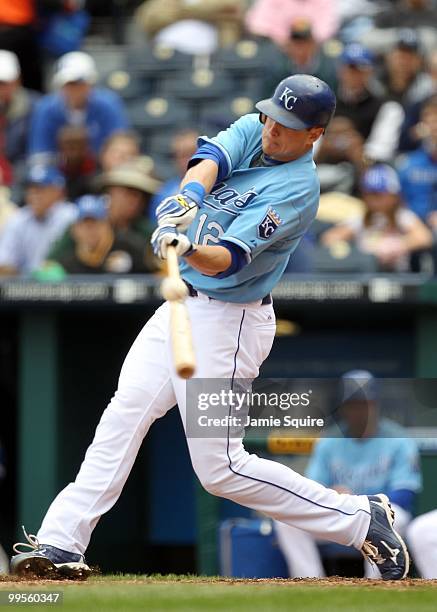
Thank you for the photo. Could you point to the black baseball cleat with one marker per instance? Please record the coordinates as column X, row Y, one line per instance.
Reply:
column 49, row 562
column 383, row 546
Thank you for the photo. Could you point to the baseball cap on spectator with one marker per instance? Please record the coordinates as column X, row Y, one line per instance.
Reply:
column 408, row 40
column 92, row 207
column 9, row 66
column 358, row 385
column 355, row 54
column 301, row 30
column 381, row 178
column 75, row 66
column 45, row 175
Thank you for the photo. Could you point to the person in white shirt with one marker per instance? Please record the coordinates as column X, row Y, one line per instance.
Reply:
column 28, row 235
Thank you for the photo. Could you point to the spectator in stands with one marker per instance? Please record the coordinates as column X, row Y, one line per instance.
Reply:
column 192, row 27
column 302, row 55
column 404, row 77
column 377, row 120
column 129, row 188
column 98, row 248
column 273, row 18
column 369, row 454
column 7, row 208
column 119, row 148
column 387, row 230
column 18, row 34
column 418, row 169
column 411, row 133
column 416, row 14
column 30, row 233
column 16, row 107
column 422, row 542
column 77, row 102
column 340, row 157
column 183, row 147
column 76, row 161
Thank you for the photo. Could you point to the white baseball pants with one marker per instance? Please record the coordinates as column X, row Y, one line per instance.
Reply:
column 302, row 554
column 230, row 340
column 422, row 540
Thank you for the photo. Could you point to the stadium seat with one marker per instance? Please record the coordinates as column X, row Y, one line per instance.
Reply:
column 127, row 84
column 343, row 257
column 197, row 85
column 160, row 143
column 156, row 113
column 247, row 56
column 155, row 61
column 218, row 115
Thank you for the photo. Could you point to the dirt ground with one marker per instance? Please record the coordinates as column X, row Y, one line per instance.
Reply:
column 408, row 583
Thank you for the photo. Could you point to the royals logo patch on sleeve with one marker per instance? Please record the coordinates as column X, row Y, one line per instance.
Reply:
column 268, row 225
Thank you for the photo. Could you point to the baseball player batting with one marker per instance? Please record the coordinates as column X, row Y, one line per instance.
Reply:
column 247, row 198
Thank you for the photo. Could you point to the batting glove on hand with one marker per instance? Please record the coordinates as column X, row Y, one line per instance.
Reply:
column 168, row 235
column 181, row 209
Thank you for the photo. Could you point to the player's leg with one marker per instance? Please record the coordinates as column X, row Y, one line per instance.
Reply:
column 4, row 561
column 144, row 394
column 422, row 539
column 300, row 551
column 238, row 340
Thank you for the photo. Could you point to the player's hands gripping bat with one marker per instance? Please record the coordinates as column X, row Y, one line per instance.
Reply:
column 168, row 235
column 174, row 290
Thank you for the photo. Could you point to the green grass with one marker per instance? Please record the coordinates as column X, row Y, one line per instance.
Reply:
column 192, row 594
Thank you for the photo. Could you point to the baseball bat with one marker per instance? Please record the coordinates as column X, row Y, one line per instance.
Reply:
column 175, row 290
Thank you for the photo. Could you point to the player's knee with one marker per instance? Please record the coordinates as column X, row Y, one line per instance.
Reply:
column 130, row 405
column 216, row 481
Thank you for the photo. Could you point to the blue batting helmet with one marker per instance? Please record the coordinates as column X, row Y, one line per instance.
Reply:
column 300, row 101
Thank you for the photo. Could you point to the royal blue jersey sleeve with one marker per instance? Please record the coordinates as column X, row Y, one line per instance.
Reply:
column 236, row 141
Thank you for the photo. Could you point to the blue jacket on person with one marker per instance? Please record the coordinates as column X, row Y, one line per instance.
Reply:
column 103, row 115
column 418, row 176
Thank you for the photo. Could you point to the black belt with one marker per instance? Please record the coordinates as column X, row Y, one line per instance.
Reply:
column 192, row 292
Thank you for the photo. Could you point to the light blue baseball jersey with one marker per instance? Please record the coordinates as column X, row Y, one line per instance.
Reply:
column 387, row 462
column 263, row 210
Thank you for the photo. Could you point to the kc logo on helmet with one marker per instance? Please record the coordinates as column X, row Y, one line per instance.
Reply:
column 287, row 98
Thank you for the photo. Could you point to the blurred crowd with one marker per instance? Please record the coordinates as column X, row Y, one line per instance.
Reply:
column 89, row 146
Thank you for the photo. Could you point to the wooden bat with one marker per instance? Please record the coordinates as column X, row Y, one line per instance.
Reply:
column 174, row 291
